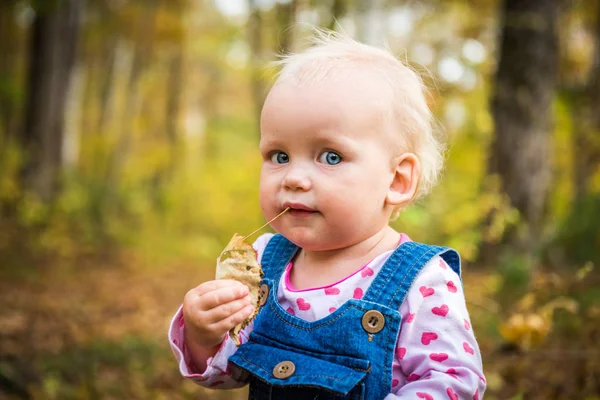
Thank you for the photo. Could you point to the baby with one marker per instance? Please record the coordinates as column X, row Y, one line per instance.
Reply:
column 352, row 308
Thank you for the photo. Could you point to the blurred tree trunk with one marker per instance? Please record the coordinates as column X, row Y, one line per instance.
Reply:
column 174, row 95
column 525, row 84
column 52, row 55
column 105, row 112
column 10, row 82
column 9, row 52
column 255, row 39
column 210, row 105
column 174, row 92
column 174, row 81
column 578, row 237
column 586, row 123
column 143, row 36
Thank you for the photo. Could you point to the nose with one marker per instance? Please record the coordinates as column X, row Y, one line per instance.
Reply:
column 296, row 179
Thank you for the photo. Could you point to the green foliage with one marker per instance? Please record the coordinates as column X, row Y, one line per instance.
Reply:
column 579, row 233
column 467, row 206
column 165, row 173
column 515, row 270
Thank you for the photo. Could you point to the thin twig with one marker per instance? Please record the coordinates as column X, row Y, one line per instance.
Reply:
column 268, row 222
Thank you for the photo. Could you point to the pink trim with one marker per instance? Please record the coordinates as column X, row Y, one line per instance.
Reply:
column 404, row 238
column 289, row 286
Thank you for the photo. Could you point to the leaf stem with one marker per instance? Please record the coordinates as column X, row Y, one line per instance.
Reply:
column 268, row 222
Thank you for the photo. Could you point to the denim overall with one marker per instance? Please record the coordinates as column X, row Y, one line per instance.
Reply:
column 334, row 357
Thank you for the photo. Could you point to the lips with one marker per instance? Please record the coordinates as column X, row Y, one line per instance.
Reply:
column 298, row 209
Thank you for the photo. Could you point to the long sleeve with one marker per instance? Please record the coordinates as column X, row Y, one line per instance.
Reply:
column 217, row 373
column 437, row 356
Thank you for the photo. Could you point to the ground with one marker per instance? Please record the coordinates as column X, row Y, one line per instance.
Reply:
column 98, row 330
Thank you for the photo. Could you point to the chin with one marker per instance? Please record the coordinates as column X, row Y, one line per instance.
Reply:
column 310, row 241
column 300, row 239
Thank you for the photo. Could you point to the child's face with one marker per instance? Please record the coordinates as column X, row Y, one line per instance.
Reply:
column 327, row 153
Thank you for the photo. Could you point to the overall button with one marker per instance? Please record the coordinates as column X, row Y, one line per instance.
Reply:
column 284, row 370
column 263, row 293
column 373, row 321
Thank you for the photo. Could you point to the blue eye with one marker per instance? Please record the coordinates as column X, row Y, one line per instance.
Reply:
column 330, row 158
column 280, row 158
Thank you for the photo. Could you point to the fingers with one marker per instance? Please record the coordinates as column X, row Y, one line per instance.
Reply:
column 234, row 319
column 221, row 297
column 226, row 310
column 211, row 286
column 213, row 308
column 214, row 293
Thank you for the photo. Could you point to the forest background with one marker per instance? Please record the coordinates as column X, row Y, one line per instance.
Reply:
column 128, row 158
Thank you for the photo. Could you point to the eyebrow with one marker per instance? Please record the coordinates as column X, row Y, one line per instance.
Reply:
column 329, row 138
column 335, row 139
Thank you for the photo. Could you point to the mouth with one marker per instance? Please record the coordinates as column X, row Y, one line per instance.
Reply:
column 299, row 210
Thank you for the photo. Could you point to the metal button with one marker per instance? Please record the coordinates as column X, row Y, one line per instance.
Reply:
column 263, row 294
column 373, row 321
column 284, row 370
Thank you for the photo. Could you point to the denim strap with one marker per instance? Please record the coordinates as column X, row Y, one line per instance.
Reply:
column 400, row 270
column 393, row 281
column 276, row 257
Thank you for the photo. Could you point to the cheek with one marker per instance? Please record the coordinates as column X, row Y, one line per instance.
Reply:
column 266, row 191
column 370, row 188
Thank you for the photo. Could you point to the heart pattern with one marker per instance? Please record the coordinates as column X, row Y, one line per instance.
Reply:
column 302, row 304
column 451, row 287
column 442, row 311
column 439, row 357
column 413, row 377
column 451, row 394
column 426, row 292
column 358, row 293
column 468, row 348
column 332, row 291
column 431, row 326
column 401, row 352
column 428, row 337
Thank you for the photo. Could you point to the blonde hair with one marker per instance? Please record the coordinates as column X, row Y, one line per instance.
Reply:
column 331, row 53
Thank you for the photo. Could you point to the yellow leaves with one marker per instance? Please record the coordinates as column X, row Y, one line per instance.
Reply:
column 525, row 330
column 238, row 261
column 584, row 271
column 531, row 324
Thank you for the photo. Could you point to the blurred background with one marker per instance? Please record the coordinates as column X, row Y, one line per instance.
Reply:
column 128, row 158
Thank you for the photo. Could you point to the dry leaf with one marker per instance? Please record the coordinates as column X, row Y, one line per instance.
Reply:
column 238, row 261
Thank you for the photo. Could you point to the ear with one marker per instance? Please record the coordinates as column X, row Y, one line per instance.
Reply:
column 403, row 186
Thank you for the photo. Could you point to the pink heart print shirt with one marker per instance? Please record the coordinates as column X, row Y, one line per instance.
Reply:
column 436, row 355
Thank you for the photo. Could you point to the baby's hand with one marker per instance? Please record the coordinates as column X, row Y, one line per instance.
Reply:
column 212, row 309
